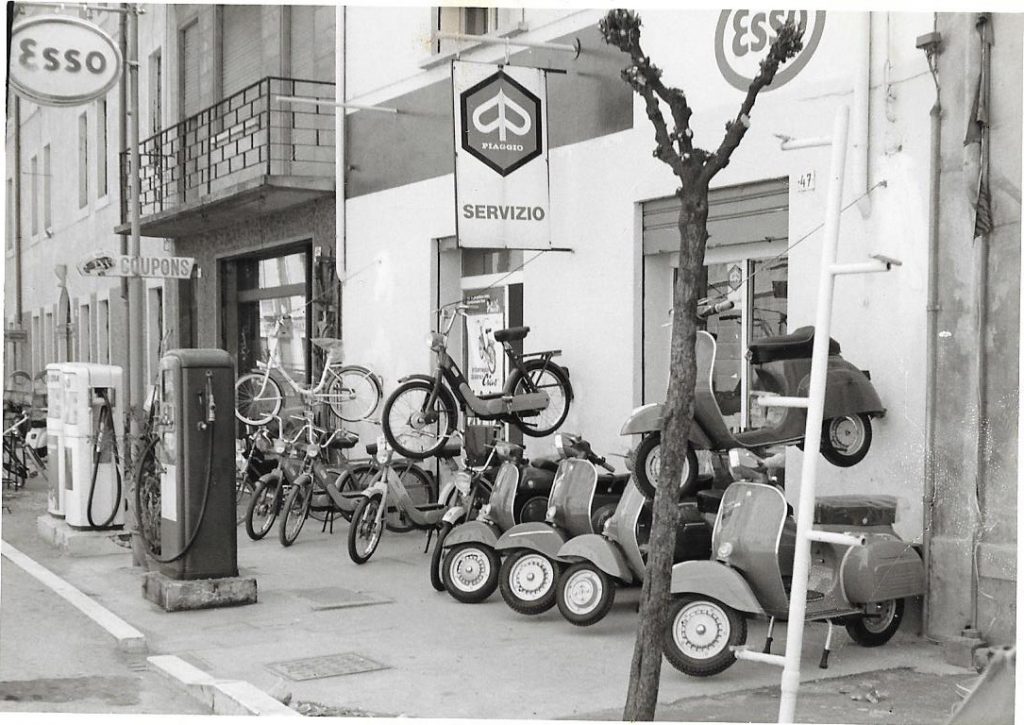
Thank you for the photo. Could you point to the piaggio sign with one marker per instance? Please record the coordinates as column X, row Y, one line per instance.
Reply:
column 59, row 60
column 501, row 169
column 743, row 37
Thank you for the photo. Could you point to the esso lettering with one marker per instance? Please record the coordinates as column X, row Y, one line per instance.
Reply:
column 753, row 32
column 53, row 59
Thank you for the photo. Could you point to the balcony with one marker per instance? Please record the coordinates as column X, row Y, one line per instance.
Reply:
column 243, row 157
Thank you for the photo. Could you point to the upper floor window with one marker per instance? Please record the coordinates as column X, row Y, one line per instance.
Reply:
column 101, row 147
column 34, row 172
column 47, row 191
column 10, row 213
column 83, row 160
column 472, row 21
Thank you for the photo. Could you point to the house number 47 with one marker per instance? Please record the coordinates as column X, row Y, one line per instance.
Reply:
column 805, row 182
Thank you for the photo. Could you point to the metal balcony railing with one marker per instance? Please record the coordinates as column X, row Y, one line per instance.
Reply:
column 244, row 136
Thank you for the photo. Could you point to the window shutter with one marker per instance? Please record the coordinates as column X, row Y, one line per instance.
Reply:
column 190, row 103
column 241, row 43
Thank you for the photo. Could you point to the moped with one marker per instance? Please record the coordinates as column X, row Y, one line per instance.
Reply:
column 598, row 563
column 461, row 499
column 422, row 412
column 469, row 569
column 530, row 569
column 782, row 365
column 859, row 578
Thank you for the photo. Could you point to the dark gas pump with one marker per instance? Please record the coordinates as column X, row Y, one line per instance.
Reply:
column 196, row 460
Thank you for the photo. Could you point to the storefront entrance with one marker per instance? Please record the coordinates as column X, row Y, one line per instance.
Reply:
column 748, row 227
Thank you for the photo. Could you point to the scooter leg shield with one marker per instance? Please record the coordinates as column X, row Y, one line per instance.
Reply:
column 600, row 552
column 716, row 580
column 645, row 419
column 535, row 536
column 473, row 532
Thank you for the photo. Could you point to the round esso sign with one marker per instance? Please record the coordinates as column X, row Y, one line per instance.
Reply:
column 743, row 37
column 58, row 60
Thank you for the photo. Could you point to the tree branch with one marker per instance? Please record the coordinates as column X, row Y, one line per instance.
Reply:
column 786, row 45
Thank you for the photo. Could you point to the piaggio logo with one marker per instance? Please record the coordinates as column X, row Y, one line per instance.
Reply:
column 742, row 39
column 501, row 123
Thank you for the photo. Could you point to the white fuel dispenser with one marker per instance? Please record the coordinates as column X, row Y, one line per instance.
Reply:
column 55, row 438
column 94, row 496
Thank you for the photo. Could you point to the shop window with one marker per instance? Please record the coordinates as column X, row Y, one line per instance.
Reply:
column 103, row 332
column 85, row 334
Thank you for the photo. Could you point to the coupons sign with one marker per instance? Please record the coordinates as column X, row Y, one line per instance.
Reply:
column 501, row 156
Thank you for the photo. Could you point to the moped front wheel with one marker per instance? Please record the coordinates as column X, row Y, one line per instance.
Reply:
column 257, row 399
column 877, row 629
column 414, row 428
column 647, row 466
column 295, row 511
column 365, row 530
column 263, row 508
column 527, row 582
column 700, row 633
column 548, row 378
column 845, row 440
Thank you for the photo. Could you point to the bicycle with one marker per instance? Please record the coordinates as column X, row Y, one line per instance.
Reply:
column 421, row 413
column 352, row 391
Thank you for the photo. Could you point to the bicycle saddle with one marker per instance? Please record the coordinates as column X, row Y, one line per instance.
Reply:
column 345, row 441
column 511, row 334
column 798, row 344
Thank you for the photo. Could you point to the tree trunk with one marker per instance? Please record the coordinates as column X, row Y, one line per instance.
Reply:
column 645, row 671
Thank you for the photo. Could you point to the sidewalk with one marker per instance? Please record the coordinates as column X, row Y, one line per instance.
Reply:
column 413, row 651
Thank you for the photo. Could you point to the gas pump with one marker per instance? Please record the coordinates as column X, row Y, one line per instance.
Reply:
column 196, row 460
column 55, row 439
column 94, row 495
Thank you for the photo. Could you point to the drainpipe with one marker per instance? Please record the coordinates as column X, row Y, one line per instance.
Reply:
column 17, row 209
column 341, row 251
column 861, row 110
column 122, row 130
column 931, row 44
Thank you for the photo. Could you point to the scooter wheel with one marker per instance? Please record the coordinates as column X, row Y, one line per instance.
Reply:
column 527, row 582
column 585, row 594
column 470, row 572
column 699, row 634
column 647, row 465
column 436, row 580
column 876, row 630
column 845, row 440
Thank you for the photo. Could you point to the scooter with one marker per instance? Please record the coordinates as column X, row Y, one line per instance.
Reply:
column 859, row 578
column 598, row 563
column 469, row 570
column 530, row 568
column 782, row 365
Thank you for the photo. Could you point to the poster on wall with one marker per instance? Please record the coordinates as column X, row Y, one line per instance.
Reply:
column 502, row 198
column 486, row 361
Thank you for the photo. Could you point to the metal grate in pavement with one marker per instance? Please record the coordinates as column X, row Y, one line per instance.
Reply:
column 322, row 598
column 317, row 668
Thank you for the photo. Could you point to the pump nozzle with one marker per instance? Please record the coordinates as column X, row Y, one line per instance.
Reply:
column 211, row 404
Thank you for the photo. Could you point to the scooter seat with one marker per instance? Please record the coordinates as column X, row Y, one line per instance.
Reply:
column 710, row 500
column 797, row 344
column 511, row 334
column 545, row 463
column 344, row 442
column 855, row 510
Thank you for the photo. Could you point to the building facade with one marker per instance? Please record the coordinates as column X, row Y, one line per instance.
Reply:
column 242, row 178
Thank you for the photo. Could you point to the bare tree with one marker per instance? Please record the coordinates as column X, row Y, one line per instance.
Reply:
column 695, row 168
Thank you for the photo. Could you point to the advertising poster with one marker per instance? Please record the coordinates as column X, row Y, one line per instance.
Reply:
column 486, row 371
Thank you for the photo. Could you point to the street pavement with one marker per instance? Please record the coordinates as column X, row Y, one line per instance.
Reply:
column 426, row 655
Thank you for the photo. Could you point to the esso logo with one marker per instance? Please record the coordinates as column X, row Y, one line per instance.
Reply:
column 58, row 60
column 743, row 37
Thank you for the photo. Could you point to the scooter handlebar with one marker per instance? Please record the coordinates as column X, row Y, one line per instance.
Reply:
column 706, row 311
column 602, row 462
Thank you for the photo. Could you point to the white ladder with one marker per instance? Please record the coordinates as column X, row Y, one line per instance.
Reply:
column 815, row 404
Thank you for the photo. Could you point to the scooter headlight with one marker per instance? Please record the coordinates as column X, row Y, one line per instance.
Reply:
column 463, row 482
column 550, row 516
column 313, row 450
column 560, row 445
column 280, row 446
column 725, row 550
column 485, row 512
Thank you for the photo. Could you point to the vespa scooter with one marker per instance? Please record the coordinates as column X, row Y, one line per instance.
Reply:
column 860, row 582
column 598, row 563
column 529, row 569
column 782, row 365
column 469, row 570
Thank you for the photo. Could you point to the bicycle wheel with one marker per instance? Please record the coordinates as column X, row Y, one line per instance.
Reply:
column 263, row 507
column 418, row 485
column 295, row 510
column 554, row 381
column 411, row 429
column 257, row 399
column 244, row 491
column 353, row 392
column 147, row 496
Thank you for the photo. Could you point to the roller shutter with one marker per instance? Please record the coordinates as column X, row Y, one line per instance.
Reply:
column 302, row 42
column 241, row 41
column 190, row 103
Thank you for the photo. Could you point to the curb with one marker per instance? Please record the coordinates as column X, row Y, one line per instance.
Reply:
column 129, row 639
column 223, row 697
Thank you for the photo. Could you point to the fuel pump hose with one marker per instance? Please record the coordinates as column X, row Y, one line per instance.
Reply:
column 106, row 419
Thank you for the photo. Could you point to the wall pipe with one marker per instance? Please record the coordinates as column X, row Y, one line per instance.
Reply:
column 340, row 241
column 932, row 47
column 860, row 130
column 17, row 210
